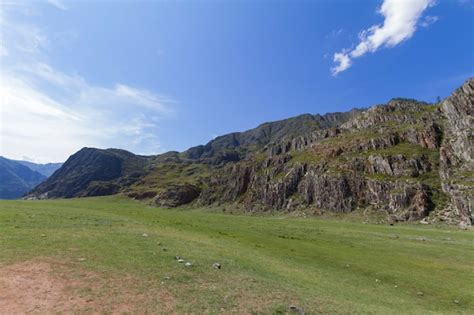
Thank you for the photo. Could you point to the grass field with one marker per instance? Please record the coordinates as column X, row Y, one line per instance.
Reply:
column 119, row 251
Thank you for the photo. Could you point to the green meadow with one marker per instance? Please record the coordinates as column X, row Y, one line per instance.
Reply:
column 268, row 262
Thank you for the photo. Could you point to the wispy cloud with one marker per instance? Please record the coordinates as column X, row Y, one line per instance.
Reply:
column 19, row 38
column 58, row 4
column 343, row 61
column 428, row 20
column 48, row 114
column 52, row 125
column 401, row 18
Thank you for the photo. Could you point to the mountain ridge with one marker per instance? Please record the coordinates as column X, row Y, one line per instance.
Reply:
column 46, row 169
column 405, row 158
column 266, row 133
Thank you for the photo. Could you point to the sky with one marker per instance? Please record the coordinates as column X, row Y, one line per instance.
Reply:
column 155, row 76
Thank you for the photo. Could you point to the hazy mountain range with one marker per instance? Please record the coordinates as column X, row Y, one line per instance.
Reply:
column 19, row 177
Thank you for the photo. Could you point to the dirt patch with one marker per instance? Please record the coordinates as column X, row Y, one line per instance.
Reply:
column 47, row 286
column 29, row 287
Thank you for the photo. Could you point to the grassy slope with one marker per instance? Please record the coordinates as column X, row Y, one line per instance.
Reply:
column 268, row 262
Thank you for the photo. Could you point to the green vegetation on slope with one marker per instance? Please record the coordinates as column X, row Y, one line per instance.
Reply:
column 165, row 174
column 268, row 262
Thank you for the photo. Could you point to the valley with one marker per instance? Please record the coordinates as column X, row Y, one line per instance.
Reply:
column 116, row 254
column 237, row 157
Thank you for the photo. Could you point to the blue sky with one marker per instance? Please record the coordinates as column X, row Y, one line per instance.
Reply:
column 163, row 75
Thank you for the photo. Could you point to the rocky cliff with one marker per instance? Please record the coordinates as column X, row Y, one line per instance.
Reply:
column 386, row 158
column 457, row 154
column 406, row 159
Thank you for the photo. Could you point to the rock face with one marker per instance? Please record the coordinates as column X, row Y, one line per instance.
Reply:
column 177, row 195
column 406, row 159
column 457, row 154
column 282, row 185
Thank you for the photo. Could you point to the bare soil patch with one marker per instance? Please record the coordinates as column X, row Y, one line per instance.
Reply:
column 47, row 286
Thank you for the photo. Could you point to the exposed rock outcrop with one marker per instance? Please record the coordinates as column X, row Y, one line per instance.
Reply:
column 457, row 155
column 293, row 186
column 177, row 195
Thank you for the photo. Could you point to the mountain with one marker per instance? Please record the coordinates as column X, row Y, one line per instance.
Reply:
column 235, row 146
column 16, row 179
column 45, row 169
column 406, row 159
column 91, row 172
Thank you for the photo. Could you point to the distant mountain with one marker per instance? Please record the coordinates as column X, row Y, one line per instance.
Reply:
column 46, row 169
column 406, row 159
column 16, row 179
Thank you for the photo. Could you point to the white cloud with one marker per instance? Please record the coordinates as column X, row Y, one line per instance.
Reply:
column 47, row 114
column 343, row 61
column 143, row 97
column 37, row 123
column 400, row 23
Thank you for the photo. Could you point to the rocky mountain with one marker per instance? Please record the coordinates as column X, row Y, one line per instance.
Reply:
column 236, row 146
column 93, row 172
column 406, row 159
column 16, row 179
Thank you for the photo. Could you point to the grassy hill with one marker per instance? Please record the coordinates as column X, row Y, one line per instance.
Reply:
column 115, row 252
